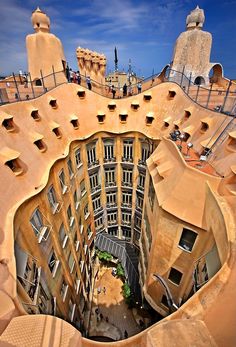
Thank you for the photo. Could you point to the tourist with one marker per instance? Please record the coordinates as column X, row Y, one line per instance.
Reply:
column 126, row 334
column 130, row 90
column 113, row 90
column 107, row 320
column 101, row 316
column 125, row 89
column 67, row 72
column 139, row 86
column 99, row 290
column 88, row 81
column 71, row 75
column 97, row 311
column 74, row 77
column 104, row 290
column 78, row 77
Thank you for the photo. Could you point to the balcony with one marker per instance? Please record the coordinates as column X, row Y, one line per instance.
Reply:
column 112, row 222
column 65, row 188
column 98, row 210
column 140, row 188
column 127, row 159
column 93, row 163
column 126, row 223
column 110, row 184
column 126, row 205
column 56, row 207
column 126, row 184
column 142, row 162
column 111, row 205
column 95, row 189
column 109, row 160
column 44, row 233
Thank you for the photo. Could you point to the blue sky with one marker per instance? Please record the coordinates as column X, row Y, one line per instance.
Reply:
column 143, row 31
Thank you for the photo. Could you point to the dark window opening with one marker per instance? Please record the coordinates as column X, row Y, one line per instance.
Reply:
column 41, row 146
column 111, row 107
column 187, row 239
column 187, row 114
column 147, row 97
column 81, row 94
column 14, row 165
column 38, row 82
column 75, row 123
column 53, row 103
column 172, row 94
column 35, row 115
column 8, row 124
column 175, row 276
column 204, row 126
column 57, row 132
column 164, row 301
column 149, row 120
column 123, row 117
column 101, row 118
column 176, row 127
column 166, row 124
column 135, row 107
column 186, row 137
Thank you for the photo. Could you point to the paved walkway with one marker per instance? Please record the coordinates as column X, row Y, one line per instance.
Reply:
column 111, row 305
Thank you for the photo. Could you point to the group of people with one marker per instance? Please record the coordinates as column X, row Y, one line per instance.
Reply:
column 127, row 90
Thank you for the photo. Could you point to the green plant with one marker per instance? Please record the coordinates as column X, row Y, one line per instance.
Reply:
column 105, row 256
column 120, row 272
column 126, row 291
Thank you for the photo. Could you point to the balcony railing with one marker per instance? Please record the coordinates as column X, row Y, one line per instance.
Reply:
column 18, row 87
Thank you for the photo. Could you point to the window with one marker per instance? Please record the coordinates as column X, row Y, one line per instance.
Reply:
column 64, row 187
column 111, row 198
column 82, row 188
column 53, row 262
column 112, row 231
column 110, row 176
column 94, row 181
column 164, row 301
column 76, row 199
column 145, row 153
column 63, row 236
column 89, row 233
column 52, row 200
column 139, row 201
column 141, row 180
column 70, row 168
column 175, row 276
column 8, row 124
column 127, row 198
column 86, row 211
column 111, row 218
column 41, row 231
column 71, row 262
column 78, row 158
column 57, row 132
column 137, row 222
column 40, row 145
column 108, row 150
column 91, row 154
column 136, row 234
column 151, row 193
column 96, row 203
column 71, row 219
column 35, row 115
column 187, row 239
column 71, row 313
column 76, row 242
column 99, row 223
column 127, row 177
column 64, row 289
column 127, row 150
column 126, row 232
column 126, row 217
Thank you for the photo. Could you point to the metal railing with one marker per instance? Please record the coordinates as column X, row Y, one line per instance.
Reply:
column 19, row 87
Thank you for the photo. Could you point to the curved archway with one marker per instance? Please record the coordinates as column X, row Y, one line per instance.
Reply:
column 199, row 80
column 216, row 73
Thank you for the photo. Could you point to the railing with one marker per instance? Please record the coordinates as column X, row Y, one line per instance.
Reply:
column 21, row 87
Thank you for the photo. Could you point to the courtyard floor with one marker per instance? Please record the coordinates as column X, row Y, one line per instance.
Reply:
column 110, row 315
